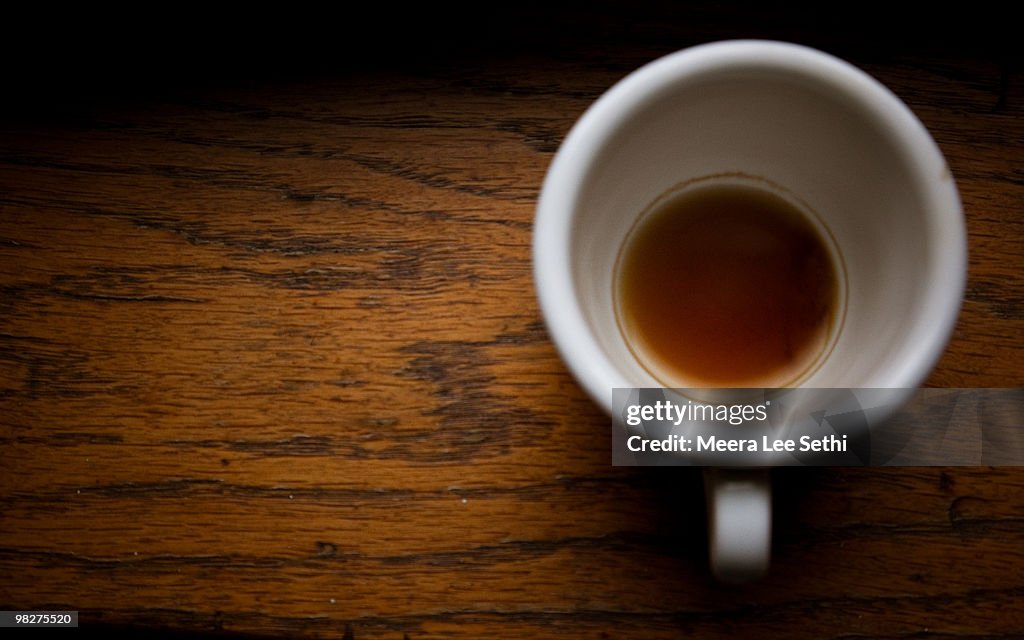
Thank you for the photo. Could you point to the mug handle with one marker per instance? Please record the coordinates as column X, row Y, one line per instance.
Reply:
column 739, row 522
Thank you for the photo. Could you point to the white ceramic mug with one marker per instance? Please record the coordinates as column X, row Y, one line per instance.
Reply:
column 829, row 136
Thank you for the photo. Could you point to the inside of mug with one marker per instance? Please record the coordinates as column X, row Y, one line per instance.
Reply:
column 840, row 154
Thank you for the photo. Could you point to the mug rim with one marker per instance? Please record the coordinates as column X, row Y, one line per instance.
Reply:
column 556, row 207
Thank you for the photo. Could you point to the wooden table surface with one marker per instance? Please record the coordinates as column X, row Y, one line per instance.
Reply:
column 271, row 361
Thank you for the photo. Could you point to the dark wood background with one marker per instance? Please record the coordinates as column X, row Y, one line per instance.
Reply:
column 271, row 362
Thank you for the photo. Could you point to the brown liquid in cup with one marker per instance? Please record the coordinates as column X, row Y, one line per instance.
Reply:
column 726, row 286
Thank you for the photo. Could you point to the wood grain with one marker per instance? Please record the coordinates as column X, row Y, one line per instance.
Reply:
column 271, row 363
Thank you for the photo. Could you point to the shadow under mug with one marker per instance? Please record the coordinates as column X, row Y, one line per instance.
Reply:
column 829, row 136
